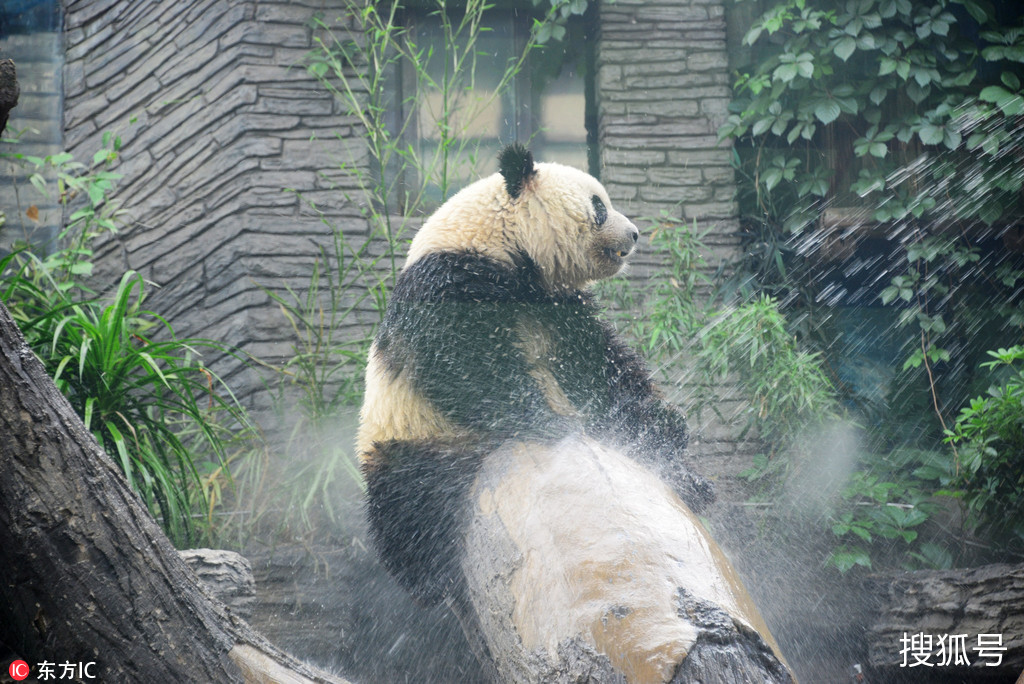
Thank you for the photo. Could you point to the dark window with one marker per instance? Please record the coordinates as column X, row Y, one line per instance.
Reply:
column 545, row 105
column 30, row 34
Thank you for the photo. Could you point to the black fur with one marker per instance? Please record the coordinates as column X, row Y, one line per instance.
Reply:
column 516, row 165
column 724, row 651
column 451, row 326
column 416, row 495
column 600, row 211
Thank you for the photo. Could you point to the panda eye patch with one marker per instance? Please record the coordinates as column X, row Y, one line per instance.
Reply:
column 600, row 212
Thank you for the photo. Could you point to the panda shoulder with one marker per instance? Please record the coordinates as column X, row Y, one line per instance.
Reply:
column 466, row 276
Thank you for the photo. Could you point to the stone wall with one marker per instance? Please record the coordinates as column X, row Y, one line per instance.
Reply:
column 222, row 128
column 218, row 119
column 663, row 91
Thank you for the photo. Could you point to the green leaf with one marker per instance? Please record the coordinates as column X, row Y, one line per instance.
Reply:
column 761, row 126
column 845, row 560
column 90, row 404
column 845, row 47
column 827, row 111
column 543, row 32
column 96, row 194
column 785, row 72
column 951, row 138
column 994, row 94
column 1013, row 106
column 317, row 69
column 772, row 177
column 39, row 183
column 931, row 134
column 805, row 65
column 916, row 92
column 981, row 12
column 81, row 268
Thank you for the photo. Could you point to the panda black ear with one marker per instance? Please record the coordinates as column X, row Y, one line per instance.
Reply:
column 516, row 165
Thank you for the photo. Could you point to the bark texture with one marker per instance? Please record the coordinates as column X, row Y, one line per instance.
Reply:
column 228, row 576
column 87, row 574
column 9, row 90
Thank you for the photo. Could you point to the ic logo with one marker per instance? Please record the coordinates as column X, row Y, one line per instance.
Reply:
column 18, row 670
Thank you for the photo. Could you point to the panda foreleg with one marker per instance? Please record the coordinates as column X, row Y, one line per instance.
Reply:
column 655, row 430
column 417, row 511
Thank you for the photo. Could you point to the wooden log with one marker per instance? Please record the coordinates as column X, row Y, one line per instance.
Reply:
column 581, row 565
column 227, row 575
column 87, row 575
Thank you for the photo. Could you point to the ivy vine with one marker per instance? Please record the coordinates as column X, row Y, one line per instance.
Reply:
column 922, row 88
column 911, row 116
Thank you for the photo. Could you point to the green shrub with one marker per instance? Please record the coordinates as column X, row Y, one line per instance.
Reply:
column 988, row 437
column 749, row 343
column 166, row 420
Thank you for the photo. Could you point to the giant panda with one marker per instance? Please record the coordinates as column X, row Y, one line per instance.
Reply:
column 490, row 334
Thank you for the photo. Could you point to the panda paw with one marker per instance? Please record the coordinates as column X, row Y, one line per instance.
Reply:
column 696, row 492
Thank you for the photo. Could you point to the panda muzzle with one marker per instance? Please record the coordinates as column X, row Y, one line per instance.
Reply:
column 625, row 243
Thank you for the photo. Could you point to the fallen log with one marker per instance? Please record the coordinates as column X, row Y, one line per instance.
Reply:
column 581, row 565
column 87, row 575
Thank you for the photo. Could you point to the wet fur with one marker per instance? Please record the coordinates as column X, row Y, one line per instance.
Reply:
column 454, row 332
column 488, row 337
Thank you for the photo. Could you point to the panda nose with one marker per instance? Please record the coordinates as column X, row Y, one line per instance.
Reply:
column 635, row 234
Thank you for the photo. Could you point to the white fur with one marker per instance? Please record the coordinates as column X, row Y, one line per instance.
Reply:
column 551, row 221
column 392, row 409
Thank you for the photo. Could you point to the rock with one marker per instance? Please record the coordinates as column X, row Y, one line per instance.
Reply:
column 227, row 575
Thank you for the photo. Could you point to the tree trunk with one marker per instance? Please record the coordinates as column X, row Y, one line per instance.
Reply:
column 88, row 576
column 9, row 90
column 582, row 566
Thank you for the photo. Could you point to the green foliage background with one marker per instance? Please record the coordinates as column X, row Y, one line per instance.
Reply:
column 908, row 116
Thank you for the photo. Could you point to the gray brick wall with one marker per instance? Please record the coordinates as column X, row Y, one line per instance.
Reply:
column 218, row 119
column 663, row 88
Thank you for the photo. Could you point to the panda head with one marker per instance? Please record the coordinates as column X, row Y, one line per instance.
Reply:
column 557, row 216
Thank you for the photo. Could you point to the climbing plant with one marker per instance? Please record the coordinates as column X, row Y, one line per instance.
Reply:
column 908, row 116
column 916, row 88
